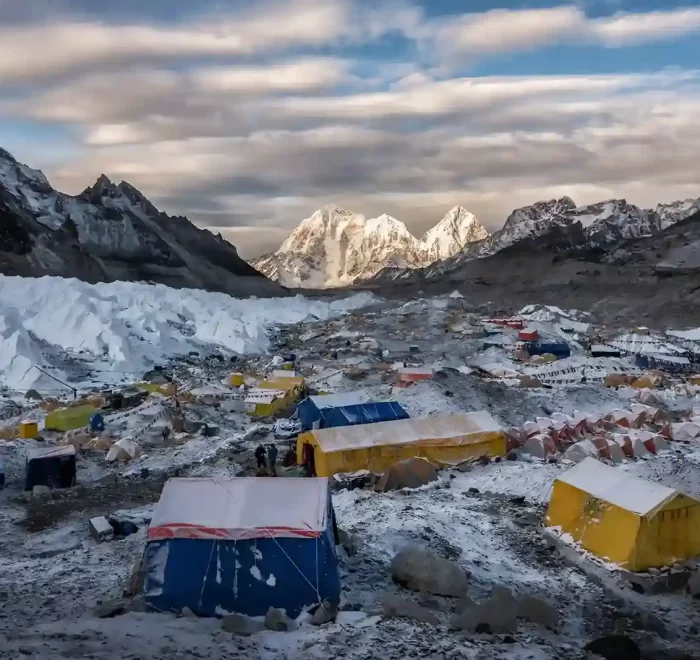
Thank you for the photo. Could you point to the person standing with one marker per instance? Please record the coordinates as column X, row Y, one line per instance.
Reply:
column 260, row 453
column 272, row 456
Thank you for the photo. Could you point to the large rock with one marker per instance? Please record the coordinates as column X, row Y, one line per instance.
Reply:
column 614, row 647
column 325, row 613
column 276, row 619
column 240, row 624
column 538, row 611
column 394, row 606
column 497, row 616
column 419, row 570
column 694, row 585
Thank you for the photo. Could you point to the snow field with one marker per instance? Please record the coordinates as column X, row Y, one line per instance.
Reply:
column 131, row 326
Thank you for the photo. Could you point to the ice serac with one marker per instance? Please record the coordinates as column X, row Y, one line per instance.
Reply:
column 111, row 232
column 452, row 234
column 336, row 247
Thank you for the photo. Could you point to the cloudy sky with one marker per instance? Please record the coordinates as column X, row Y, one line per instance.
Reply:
column 248, row 115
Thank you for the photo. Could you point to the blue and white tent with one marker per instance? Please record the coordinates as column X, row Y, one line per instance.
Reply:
column 347, row 409
column 219, row 546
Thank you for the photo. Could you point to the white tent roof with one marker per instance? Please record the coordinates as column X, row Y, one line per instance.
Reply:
column 617, row 487
column 240, row 508
column 50, row 452
column 338, row 400
column 406, row 431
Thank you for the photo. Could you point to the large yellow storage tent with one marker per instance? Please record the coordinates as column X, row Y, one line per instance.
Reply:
column 626, row 520
column 443, row 440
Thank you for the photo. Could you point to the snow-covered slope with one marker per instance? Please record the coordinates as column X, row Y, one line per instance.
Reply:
column 674, row 212
column 124, row 328
column 110, row 232
column 452, row 234
column 336, row 247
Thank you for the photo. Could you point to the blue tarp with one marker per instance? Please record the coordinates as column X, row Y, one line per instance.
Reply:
column 558, row 349
column 312, row 410
column 216, row 576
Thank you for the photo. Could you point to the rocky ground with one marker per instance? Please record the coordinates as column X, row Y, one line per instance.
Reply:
column 514, row 592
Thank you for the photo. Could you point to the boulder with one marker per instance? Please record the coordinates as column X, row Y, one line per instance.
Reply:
column 394, row 606
column 41, row 491
column 497, row 616
column 324, row 613
column 100, row 529
column 538, row 611
column 240, row 624
column 419, row 570
column 112, row 608
column 694, row 585
column 276, row 619
column 614, row 647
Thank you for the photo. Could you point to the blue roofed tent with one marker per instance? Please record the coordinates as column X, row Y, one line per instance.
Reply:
column 558, row 349
column 243, row 545
column 333, row 410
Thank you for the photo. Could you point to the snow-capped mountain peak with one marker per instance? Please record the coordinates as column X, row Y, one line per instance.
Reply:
column 335, row 247
column 452, row 234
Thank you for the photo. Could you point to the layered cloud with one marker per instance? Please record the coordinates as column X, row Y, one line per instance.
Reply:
column 249, row 120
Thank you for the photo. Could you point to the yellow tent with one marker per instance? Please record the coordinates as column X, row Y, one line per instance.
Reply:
column 444, row 439
column 67, row 419
column 626, row 520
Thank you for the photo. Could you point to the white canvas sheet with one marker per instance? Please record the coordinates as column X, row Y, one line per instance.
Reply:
column 51, row 452
column 405, row 431
column 617, row 487
column 339, row 400
column 240, row 508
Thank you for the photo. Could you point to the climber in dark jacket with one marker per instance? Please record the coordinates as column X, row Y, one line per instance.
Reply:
column 260, row 456
column 272, row 455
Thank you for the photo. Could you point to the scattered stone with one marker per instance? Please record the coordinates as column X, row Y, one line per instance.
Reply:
column 187, row 612
column 484, row 460
column 512, row 456
column 614, row 647
column 497, row 616
column 325, row 613
column 528, row 519
column 112, row 608
column 394, row 606
column 33, row 395
column 419, row 570
column 473, row 491
column 352, row 543
column 41, row 491
column 508, row 639
column 517, row 499
column 276, row 619
column 240, row 624
column 538, row 611
column 100, row 529
column 653, row 571
column 694, row 585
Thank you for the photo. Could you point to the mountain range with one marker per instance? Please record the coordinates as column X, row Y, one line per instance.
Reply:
column 336, row 247
column 111, row 232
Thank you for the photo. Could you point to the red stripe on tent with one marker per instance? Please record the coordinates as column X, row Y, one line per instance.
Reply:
column 190, row 531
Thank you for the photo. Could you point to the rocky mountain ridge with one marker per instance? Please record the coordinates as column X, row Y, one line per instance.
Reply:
column 111, row 232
